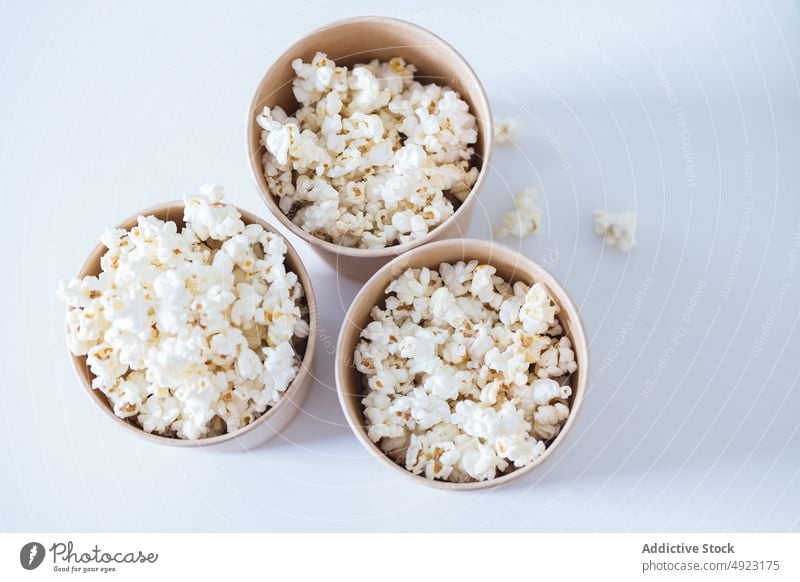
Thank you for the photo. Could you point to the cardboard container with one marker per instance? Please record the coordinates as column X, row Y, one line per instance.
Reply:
column 265, row 426
column 510, row 265
column 360, row 40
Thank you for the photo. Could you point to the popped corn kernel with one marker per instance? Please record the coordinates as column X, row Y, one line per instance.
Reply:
column 506, row 130
column 617, row 229
column 524, row 220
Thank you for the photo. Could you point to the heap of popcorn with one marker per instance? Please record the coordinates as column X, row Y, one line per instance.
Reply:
column 372, row 158
column 192, row 331
column 466, row 374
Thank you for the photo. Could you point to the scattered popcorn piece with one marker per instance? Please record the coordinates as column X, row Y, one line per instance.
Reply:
column 372, row 158
column 617, row 230
column 465, row 375
column 524, row 219
column 506, row 130
column 190, row 332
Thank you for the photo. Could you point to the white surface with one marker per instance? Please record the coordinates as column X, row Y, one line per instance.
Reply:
column 108, row 107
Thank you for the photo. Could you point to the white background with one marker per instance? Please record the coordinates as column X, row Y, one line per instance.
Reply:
column 691, row 420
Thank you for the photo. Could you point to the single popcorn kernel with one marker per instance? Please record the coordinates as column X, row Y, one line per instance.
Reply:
column 190, row 332
column 506, row 131
column 524, row 219
column 369, row 153
column 617, row 230
column 466, row 376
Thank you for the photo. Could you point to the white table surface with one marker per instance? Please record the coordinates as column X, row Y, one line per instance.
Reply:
column 691, row 420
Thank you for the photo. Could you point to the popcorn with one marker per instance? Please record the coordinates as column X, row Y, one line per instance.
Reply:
column 372, row 158
column 506, row 130
column 538, row 311
column 547, row 420
column 466, row 376
column 617, row 230
column 209, row 217
column 478, row 461
column 105, row 365
column 482, row 284
column 277, row 376
column 436, row 459
column 545, row 391
column 524, row 219
column 191, row 332
column 420, row 409
column 556, row 360
column 444, row 308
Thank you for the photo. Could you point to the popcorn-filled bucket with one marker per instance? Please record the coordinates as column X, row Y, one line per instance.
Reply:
column 512, row 267
column 275, row 418
column 359, row 40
